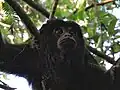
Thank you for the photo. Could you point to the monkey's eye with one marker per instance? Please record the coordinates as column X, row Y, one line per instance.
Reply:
column 58, row 31
column 72, row 33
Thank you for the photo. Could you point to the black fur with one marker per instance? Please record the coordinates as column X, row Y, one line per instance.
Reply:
column 72, row 65
column 61, row 63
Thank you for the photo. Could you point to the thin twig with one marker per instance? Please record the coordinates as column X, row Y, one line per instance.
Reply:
column 99, row 4
column 3, row 83
column 117, row 62
column 54, row 9
column 38, row 7
column 5, row 86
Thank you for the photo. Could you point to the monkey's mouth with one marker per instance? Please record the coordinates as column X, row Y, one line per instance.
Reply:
column 67, row 44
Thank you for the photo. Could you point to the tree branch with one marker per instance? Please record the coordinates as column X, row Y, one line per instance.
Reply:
column 33, row 29
column 99, row 4
column 100, row 54
column 5, row 86
column 38, row 7
column 53, row 9
column 26, row 20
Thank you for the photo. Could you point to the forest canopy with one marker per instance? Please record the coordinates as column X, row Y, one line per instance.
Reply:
column 100, row 28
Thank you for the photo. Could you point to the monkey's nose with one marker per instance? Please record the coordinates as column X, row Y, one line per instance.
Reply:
column 67, row 35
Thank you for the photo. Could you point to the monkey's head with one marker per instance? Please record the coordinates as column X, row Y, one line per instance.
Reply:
column 63, row 46
column 63, row 35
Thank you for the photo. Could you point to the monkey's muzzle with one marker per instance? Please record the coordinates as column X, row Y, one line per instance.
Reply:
column 66, row 44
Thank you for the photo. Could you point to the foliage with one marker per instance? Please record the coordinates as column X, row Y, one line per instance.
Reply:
column 99, row 26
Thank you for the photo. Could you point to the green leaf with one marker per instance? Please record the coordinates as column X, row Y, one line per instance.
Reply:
column 91, row 32
column 116, row 47
column 109, row 20
column 99, row 43
column 96, row 37
column 111, row 25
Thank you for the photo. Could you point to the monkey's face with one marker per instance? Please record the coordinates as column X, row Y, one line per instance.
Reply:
column 63, row 35
column 66, row 38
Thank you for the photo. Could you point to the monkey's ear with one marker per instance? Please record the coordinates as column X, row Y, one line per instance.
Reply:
column 41, row 29
column 46, row 26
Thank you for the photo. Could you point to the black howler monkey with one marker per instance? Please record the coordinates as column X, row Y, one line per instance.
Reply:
column 70, row 61
column 61, row 63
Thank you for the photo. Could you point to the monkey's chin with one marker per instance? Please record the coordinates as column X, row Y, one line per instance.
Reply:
column 67, row 44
